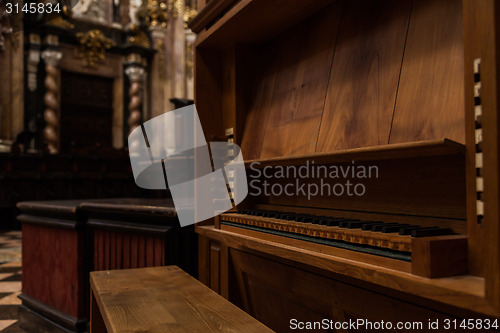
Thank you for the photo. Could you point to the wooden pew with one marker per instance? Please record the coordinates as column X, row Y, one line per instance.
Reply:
column 161, row 299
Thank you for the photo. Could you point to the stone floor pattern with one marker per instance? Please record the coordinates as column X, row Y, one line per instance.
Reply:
column 10, row 280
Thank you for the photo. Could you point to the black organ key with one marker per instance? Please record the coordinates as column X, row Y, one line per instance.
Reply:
column 270, row 214
column 378, row 227
column 407, row 230
column 428, row 232
column 317, row 219
column 345, row 224
column 369, row 226
column 331, row 221
column 300, row 218
column 282, row 215
column 359, row 224
column 393, row 228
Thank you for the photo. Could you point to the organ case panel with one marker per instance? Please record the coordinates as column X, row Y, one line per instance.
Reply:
column 371, row 83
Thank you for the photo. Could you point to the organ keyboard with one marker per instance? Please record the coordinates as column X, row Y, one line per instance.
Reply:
column 390, row 240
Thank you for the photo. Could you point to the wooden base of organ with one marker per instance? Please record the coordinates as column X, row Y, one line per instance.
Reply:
column 368, row 82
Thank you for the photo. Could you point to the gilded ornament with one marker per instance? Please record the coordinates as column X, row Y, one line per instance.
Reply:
column 93, row 46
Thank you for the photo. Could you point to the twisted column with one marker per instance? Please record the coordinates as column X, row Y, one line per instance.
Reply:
column 51, row 99
column 136, row 76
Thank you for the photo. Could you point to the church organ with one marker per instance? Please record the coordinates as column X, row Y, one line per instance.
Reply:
column 407, row 86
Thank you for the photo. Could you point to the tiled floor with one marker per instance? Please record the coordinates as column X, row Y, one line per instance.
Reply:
column 10, row 280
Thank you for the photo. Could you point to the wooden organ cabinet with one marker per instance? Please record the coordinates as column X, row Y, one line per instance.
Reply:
column 406, row 87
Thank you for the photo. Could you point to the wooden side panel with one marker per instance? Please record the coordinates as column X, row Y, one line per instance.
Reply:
column 290, row 99
column 124, row 250
column 430, row 101
column 482, row 33
column 275, row 293
column 53, row 268
column 418, row 187
column 365, row 73
column 257, row 117
column 208, row 92
column 204, row 260
column 215, row 258
column 437, row 257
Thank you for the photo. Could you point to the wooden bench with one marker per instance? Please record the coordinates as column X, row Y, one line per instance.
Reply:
column 161, row 299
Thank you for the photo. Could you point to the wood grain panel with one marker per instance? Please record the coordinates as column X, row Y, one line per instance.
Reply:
column 290, row 99
column 430, row 102
column 256, row 120
column 277, row 292
column 150, row 254
column 453, row 295
column 54, row 257
column 141, row 248
column 430, row 186
column 482, row 40
column 126, row 251
column 158, row 250
column 134, row 261
column 365, row 72
column 117, row 250
column 215, row 253
column 165, row 299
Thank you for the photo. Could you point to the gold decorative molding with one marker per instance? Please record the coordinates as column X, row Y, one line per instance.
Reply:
column 175, row 7
column 153, row 13
column 139, row 37
column 93, row 46
column 189, row 14
column 61, row 23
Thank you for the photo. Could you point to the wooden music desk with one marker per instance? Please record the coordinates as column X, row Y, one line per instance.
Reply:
column 161, row 299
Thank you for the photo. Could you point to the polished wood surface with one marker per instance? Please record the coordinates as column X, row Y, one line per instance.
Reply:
column 396, row 77
column 207, row 13
column 482, row 20
column 161, row 207
column 466, row 292
column 364, row 76
column 163, row 299
column 430, row 102
column 364, row 92
column 440, row 256
column 309, row 296
column 117, row 250
column 298, row 97
column 49, row 277
column 71, row 238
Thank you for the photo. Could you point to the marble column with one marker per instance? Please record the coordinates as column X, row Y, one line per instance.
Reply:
column 51, row 99
column 136, row 75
